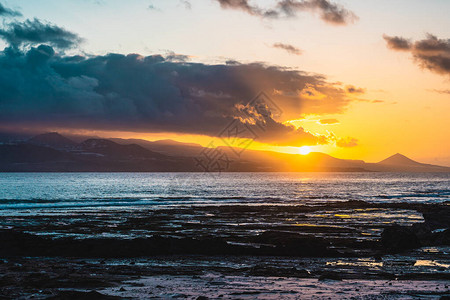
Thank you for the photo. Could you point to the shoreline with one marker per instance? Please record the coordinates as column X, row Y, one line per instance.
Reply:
column 219, row 248
column 232, row 277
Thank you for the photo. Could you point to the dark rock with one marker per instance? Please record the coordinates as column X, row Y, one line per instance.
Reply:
column 293, row 244
column 16, row 243
column 75, row 295
column 423, row 232
column 262, row 270
column 437, row 216
column 330, row 276
column 442, row 238
column 397, row 238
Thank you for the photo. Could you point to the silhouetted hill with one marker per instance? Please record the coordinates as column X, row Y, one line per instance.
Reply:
column 115, row 150
column 27, row 153
column 275, row 161
column 401, row 163
column 399, row 160
column 53, row 140
column 55, row 153
column 166, row 147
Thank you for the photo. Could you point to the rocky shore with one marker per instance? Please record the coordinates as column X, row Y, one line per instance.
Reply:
column 77, row 255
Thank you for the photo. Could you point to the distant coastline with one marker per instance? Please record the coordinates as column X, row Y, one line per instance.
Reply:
column 52, row 152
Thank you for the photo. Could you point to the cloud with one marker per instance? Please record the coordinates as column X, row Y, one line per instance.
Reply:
column 441, row 91
column 347, row 142
column 239, row 4
column 397, row 43
column 430, row 53
column 39, row 87
column 376, row 101
column 172, row 56
column 186, row 4
column 35, row 32
column 153, row 7
column 289, row 48
column 328, row 121
column 329, row 12
column 7, row 12
column 354, row 90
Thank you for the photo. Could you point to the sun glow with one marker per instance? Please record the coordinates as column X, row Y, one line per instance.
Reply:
column 304, row 150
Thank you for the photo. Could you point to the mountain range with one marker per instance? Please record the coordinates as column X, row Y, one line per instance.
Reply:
column 52, row 152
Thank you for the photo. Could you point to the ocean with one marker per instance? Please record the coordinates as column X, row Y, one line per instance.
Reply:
column 235, row 206
column 65, row 191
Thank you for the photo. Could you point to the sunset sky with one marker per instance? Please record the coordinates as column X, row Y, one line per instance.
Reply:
column 355, row 79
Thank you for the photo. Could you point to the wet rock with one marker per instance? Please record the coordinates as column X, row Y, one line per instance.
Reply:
column 424, row 233
column 397, row 238
column 262, row 270
column 442, row 238
column 437, row 216
column 293, row 244
column 73, row 295
column 330, row 276
column 284, row 244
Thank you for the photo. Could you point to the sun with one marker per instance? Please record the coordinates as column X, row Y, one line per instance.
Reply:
column 304, row 150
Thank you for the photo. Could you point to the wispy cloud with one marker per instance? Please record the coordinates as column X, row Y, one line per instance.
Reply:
column 430, row 53
column 289, row 48
column 153, row 7
column 441, row 91
column 8, row 12
column 329, row 12
column 186, row 4
column 397, row 43
column 35, row 31
column 347, row 142
column 354, row 90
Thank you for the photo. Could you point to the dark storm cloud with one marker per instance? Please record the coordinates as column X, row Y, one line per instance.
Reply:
column 329, row 12
column 289, row 48
column 155, row 94
column 430, row 53
column 7, row 12
column 35, row 32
